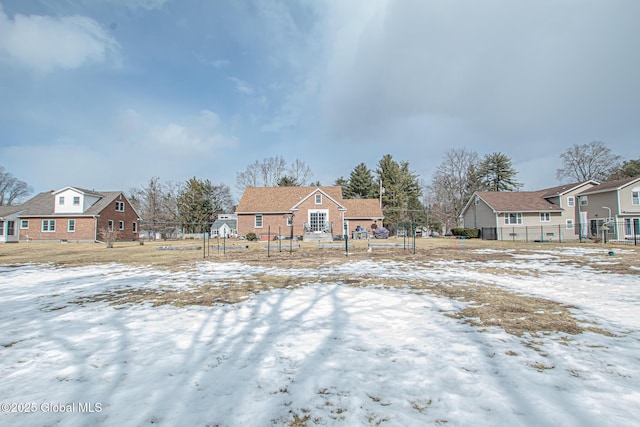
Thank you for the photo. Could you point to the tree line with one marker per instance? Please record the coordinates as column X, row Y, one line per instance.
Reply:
column 194, row 204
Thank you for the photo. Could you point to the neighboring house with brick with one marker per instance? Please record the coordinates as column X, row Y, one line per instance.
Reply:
column 75, row 214
column 615, row 204
column 549, row 214
column 316, row 213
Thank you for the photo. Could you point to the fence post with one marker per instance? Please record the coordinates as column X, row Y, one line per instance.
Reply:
column 413, row 225
column 559, row 234
column 526, row 233
column 346, row 244
column 268, row 241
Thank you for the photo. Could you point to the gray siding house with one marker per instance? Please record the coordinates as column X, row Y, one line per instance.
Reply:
column 548, row 214
column 614, row 205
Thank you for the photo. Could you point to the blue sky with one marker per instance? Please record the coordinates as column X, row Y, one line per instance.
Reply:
column 106, row 94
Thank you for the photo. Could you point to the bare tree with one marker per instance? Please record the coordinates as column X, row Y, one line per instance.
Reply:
column 157, row 204
column 12, row 189
column 249, row 178
column 588, row 161
column 109, row 236
column 453, row 183
column 299, row 172
column 270, row 172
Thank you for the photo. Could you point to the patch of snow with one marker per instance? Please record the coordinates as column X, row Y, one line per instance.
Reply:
column 334, row 353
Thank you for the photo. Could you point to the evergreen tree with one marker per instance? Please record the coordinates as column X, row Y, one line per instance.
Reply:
column 287, row 181
column 361, row 184
column 199, row 202
column 400, row 190
column 495, row 173
column 629, row 169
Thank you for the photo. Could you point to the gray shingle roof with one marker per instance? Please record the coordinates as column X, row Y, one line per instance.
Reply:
column 518, row 201
column 43, row 204
column 232, row 223
column 611, row 185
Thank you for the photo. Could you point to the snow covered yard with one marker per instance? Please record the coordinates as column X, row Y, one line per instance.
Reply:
column 357, row 343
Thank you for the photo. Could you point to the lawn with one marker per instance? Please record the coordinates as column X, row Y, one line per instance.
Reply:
column 461, row 332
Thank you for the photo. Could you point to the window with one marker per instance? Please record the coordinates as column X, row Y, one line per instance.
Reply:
column 48, row 225
column 635, row 198
column 571, row 201
column 71, row 225
column 318, row 199
column 24, row 224
column 110, row 225
column 1, row 228
column 76, row 201
column 258, row 221
column 569, row 224
column 513, row 218
column 289, row 221
column 584, row 201
column 119, row 206
column 61, row 200
column 545, row 216
column 11, row 228
column 318, row 220
column 121, row 225
column 134, row 227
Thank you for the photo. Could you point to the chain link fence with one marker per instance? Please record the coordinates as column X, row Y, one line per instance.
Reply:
column 626, row 232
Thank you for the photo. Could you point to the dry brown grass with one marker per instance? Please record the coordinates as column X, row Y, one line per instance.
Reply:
column 487, row 305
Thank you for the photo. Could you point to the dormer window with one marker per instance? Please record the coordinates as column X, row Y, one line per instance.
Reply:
column 119, row 206
column 571, row 201
column 318, row 199
column 61, row 200
column 76, row 201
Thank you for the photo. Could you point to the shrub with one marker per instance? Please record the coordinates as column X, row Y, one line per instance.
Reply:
column 470, row 233
column 251, row 237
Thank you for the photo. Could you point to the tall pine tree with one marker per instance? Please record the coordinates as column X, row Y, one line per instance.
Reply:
column 496, row 173
column 361, row 184
column 401, row 190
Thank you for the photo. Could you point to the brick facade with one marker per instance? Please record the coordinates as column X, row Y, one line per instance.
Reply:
column 88, row 226
column 84, row 229
column 128, row 217
column 276, row 204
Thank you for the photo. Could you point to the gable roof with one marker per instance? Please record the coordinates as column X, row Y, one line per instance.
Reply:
column 611, row 185
column 566, row 188
column 526, row 201
column 319, row 190
column 280, row 199
column 43, row 204
column 79, row 190
column 287, row 199
column 517, row 201
column 231, row 223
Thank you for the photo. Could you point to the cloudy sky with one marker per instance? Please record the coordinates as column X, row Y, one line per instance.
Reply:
column 106, row 94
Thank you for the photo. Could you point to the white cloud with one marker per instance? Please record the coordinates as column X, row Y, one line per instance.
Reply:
column 140, row 4
column 242, row 86
column 44, row 43
column 194, row 136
